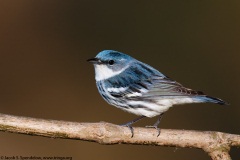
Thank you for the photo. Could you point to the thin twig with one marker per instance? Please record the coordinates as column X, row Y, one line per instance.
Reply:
column 216, row 144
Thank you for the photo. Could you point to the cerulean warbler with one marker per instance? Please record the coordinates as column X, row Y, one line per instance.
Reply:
column 138, row 88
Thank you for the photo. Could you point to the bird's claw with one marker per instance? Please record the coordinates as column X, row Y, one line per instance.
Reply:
column 156, row 127
column 130, row 127
column 130, row 123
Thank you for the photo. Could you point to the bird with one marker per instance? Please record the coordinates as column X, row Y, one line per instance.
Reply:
column 138, row 88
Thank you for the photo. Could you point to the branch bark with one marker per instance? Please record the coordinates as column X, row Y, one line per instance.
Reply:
column 216, row 144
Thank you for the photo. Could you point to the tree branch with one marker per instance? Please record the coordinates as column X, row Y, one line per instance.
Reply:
column 216, row 144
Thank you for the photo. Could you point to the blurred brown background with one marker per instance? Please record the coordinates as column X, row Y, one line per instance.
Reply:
column 43, row 70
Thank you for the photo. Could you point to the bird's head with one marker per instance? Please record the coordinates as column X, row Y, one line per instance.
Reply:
column 109, row 63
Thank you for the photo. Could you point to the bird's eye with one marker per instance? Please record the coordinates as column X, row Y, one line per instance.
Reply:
column 111, row 62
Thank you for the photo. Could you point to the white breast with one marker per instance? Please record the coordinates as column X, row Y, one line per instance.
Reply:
column 102, row 72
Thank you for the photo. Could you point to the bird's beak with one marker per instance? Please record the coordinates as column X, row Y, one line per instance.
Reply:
column 95, row 60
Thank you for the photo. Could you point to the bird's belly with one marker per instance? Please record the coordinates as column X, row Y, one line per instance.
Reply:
column 135, row 107
column 148, row 109
column 151, row 109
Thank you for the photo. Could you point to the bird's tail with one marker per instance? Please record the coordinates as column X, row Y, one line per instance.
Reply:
column 211, row 100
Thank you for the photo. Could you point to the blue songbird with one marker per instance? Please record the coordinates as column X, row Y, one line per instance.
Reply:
column 138, row 88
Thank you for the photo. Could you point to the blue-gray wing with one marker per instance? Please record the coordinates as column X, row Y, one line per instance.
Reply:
column 154, row 87
column 165, row 87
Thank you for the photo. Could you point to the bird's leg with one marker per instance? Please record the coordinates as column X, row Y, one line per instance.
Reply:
column 130, row 123
column 156, row 124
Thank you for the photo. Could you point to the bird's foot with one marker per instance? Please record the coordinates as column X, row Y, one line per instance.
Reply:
column 130, row 127
column 156, row 127
column 130, row 123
